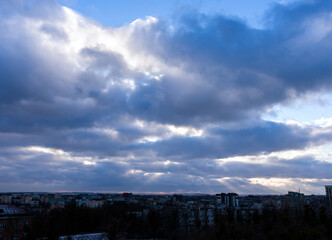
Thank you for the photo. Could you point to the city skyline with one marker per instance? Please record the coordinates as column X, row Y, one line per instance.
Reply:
column 174, row 97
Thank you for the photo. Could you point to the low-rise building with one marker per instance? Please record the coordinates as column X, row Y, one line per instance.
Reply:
column 14, row 223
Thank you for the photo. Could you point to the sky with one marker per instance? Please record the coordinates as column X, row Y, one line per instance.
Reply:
column 176, row 96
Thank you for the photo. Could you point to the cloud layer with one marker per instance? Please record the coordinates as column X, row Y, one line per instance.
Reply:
column 154, row 107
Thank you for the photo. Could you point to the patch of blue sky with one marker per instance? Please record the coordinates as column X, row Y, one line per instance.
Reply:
column 313, row 108
column 113, row 13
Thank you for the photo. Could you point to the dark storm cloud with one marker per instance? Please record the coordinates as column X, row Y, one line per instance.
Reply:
column 220, row 143
column 272, row 167
column 41, row 171
column 125, row 140
column 230, row 71
column 238, row 69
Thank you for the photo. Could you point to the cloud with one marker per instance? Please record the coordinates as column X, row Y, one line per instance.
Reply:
column 230, row 70
column 206, row 70
column 151, row 106
column 266, row 137
column 41, row 169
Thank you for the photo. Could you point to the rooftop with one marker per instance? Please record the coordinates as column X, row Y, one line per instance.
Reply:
column 10, row 210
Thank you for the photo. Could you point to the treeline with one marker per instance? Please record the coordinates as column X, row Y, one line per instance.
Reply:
column 271, row 224
column 119, row 221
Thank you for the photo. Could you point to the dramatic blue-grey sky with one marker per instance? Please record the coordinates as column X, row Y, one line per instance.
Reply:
column 170, row 96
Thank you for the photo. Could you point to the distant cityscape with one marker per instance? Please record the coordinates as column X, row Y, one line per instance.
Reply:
column 19, row 210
